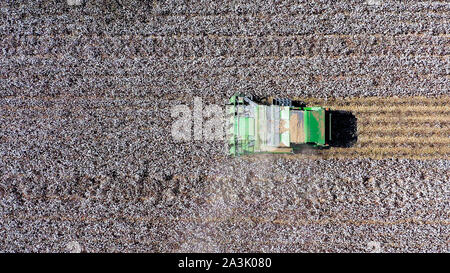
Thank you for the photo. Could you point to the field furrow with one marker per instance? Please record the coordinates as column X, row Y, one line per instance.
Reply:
column 87, row 149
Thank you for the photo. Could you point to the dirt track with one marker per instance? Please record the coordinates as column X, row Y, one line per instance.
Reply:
column 86, row 153
column 407, row 127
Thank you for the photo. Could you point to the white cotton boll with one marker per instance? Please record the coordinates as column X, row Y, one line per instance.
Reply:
column 74, row 2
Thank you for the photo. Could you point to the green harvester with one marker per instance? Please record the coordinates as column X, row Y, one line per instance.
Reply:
column 272, row 125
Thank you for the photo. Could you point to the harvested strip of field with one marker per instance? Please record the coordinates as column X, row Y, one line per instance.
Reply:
column 403, row 123
column 444, row 99
column 402, row 129
column 394, row 127
column 86, row 151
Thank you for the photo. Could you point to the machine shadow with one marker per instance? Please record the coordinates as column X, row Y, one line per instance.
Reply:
column 343, row 129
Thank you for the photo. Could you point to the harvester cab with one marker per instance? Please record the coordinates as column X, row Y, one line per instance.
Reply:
column 273, row 125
